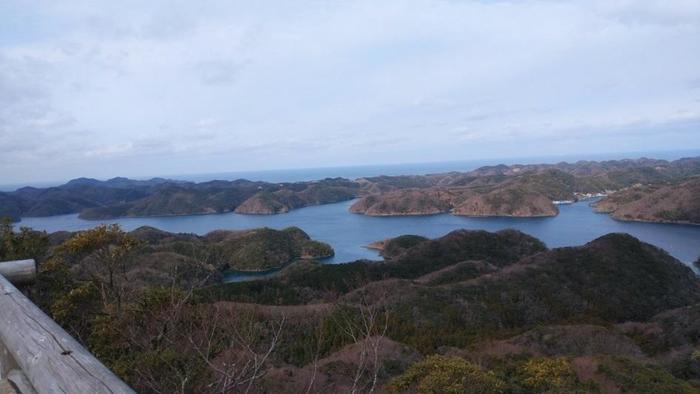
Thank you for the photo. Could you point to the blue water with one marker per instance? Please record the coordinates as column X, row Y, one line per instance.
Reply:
column 349, row 233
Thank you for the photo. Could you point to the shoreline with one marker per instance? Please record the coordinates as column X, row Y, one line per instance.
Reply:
column 667, row 222
column 388, row 215
column 194, row 213
column 452, row 214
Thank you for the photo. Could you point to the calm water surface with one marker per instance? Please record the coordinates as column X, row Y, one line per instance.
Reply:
column 349, row 233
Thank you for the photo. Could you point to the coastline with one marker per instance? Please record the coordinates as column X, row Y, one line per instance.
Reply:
column 196, row 213
column 507, row 216
column 398, row 214
column 668, row 222
column 144, row 216
column 452, row 214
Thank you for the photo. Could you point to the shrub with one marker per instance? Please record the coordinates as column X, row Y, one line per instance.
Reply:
column 545, row 374
column 441, row 374
column 633, row 376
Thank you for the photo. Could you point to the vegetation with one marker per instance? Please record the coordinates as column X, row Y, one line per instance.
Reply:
column 119, row 197
column 468, row 312
column 636, row 377
column 528, row 190
column 452, row 374
column 517, row 190
column 548, row 375
column 674, row 202
column 439, row 374
column 396, row 246
column 24, row 244
column 266, row 249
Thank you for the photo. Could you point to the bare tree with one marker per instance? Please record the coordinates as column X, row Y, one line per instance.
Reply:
column 317, row 354
column 366, row 328
column 241, row 364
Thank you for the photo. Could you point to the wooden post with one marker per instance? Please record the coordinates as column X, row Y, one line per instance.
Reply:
column 50, row 359
column 19, row 272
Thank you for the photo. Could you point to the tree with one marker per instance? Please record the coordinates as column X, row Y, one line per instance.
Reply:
column 25, row 244
column 104, row 252
column 76, row 309
column 235, row 347
column 365, row 324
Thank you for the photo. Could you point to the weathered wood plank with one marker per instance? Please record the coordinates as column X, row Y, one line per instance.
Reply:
column 52, row 360
column 19, row 272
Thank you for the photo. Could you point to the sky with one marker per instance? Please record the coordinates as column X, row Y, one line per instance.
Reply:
column 134, row 88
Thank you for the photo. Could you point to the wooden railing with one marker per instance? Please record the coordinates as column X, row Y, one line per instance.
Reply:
column 36, row 354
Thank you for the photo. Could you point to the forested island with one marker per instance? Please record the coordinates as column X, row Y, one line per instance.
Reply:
column 471, row 311
column 642, row 189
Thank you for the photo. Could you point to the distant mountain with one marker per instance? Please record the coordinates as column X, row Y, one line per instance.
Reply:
column 122, row 197
column 515, row 190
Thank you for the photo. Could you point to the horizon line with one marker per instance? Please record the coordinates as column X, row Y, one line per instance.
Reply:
column 694, row 152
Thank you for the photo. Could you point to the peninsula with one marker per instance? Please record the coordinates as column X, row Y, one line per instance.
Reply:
column 535, row 190
column 677, row 201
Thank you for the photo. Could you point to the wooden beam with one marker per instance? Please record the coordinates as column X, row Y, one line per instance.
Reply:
column 51, row 360
column 19, row 272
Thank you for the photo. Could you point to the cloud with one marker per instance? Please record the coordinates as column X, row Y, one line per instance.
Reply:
column 217, row 72
column 106, row 88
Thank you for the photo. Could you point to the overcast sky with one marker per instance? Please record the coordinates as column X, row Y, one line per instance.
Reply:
column 137, row 88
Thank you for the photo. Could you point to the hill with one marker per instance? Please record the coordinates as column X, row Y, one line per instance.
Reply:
column 516, row 190
column 498, row 304
column 471, row 311
column 283, row 200
column 121, row 197
column 668, row 202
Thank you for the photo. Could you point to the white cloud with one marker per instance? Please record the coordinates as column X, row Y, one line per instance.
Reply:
column 245, row 84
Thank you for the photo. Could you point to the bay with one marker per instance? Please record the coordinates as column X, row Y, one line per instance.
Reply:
column 349, row 234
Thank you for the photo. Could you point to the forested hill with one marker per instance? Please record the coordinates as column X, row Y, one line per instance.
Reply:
column 526, row 190
column 676, row 201
column 516, row 190
column 469, row 312
column 121, row 197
